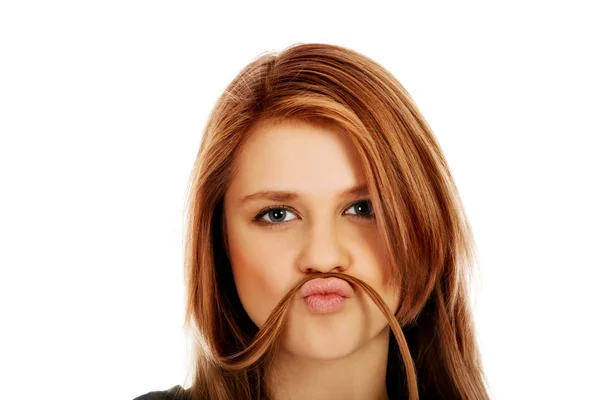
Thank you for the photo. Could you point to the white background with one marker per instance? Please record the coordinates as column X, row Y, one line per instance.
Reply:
column 102, row 105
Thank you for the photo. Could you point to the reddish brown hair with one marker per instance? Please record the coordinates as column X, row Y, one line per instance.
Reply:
column 429, row 246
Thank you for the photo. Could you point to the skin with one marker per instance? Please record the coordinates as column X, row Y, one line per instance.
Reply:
column 342, row 355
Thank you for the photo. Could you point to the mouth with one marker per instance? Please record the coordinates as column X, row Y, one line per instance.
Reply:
column 323, row 296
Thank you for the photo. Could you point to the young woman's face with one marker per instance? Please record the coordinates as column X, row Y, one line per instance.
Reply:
column 318, row 229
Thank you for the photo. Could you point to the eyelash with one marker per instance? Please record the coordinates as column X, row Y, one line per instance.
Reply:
column 258, row 217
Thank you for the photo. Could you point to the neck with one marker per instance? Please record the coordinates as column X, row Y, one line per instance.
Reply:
column 358, row 376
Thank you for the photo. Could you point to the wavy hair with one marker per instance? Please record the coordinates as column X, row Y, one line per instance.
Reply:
column 433, row 353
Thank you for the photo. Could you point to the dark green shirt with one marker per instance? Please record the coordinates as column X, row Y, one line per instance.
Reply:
column 171, row 394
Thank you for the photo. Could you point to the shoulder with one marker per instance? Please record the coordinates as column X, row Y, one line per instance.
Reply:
column 175, row 393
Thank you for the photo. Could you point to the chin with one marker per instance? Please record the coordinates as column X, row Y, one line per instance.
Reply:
column 324, row 337
column 322, row 349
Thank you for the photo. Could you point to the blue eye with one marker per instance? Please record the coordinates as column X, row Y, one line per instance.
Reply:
column 364, row 209
column 276, row 215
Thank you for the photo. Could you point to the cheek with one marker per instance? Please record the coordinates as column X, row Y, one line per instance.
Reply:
column 260, row 272
column 374, row 270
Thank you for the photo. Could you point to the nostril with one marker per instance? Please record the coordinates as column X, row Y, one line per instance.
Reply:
column 325, row 270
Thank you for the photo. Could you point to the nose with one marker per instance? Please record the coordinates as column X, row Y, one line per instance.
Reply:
column 324, row 250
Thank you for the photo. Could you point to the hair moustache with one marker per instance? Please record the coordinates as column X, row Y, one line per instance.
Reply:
column 267, row 339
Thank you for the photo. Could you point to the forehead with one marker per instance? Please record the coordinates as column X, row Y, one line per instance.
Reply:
column 311, row 159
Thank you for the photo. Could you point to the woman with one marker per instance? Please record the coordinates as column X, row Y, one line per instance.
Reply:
column 327, row 251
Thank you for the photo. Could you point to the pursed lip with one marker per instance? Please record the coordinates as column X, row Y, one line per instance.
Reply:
column 325, row 286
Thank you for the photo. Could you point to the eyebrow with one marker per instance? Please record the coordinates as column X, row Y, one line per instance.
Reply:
column 284, row 196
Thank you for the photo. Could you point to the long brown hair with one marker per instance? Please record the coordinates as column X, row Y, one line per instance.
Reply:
column 433, row 353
